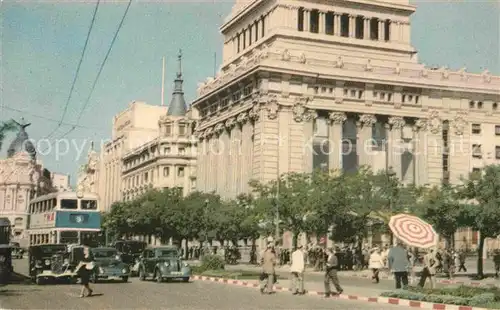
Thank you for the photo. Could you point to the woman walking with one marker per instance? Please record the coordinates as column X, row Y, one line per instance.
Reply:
column 376, row 263
column 84, row 271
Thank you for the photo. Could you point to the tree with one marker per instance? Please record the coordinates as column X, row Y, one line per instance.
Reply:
column 6, row 127
column 441, row 209
column 482, row 213
column 292, row 197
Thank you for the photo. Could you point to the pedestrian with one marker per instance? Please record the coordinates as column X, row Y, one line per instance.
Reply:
column 413, row 260
column 462, row 256
column 297, row 269
column 496, row 262
column 268, row 265
column 397, row 261
column 332, row 267
column 84, row 271
column 429, row 271
column 376, row 263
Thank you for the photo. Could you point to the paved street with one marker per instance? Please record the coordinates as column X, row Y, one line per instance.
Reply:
column 149, row 295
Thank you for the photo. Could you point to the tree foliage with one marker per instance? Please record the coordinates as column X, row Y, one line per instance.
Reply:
column 6, row 127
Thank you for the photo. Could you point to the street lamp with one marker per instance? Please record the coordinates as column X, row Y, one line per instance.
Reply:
column 277, row 219
column 205, row 215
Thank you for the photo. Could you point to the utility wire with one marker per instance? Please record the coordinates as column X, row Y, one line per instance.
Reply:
column 51, row 119
column 103, row 63
column 65, row 110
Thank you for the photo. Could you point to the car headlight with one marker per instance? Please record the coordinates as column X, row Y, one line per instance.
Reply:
column 101, row 270
column 47, row 262
column 124, row 270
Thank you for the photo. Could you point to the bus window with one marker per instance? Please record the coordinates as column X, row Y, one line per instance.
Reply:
column 69, row 204
column 89, row 205
column 54, row 203
column 69, row 237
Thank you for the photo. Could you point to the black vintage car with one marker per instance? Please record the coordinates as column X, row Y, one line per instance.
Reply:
column 163, row 263
column 50, row 262
column 130, row 251
column 6, row 268
column 17, row 251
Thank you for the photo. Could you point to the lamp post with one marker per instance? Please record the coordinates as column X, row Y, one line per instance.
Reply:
column 205, row 209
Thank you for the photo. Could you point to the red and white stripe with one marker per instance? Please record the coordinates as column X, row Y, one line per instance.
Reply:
column 379, row 300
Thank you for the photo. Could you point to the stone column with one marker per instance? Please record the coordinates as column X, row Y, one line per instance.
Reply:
column 336, row 24
column 307, row 20
column 321, row 20
column 381, row 30
column 366, row 33
column 230, row 157
column 352, row 26
column 419, row 143
column 246, row 166
column 337, row 119
column 364, row 139
column 397, row 124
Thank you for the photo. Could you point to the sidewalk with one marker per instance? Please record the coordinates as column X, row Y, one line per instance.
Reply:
column 458, row 279
column 348, row 289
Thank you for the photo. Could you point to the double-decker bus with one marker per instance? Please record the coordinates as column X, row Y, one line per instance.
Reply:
column 64, row 217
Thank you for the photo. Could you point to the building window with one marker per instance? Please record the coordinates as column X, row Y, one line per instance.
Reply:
column 224, row 103
column 247, row 91
column 300, row 17
column 495, row 106
column 476, row 170
column 387, row 28
column 250, row 35
column 497, row 152
column 497, row 130
column 182, row 129
column 476, row 151
column 374, row 28
column 168, row 130
column 479, row 105
column 329, row 23
column 314, row 21
column 344, row 25
column 256, row 26
column 238, row 43
column 146, row 177
column 166, row 150
column 263, row 32
column 180, row 172
column 476, row 129
column 236, row 96
column 166, row 171
column 182, row 151
column 472, row 104
column 360, row 24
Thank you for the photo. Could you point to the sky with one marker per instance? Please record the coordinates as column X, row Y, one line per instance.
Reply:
column 41, row 44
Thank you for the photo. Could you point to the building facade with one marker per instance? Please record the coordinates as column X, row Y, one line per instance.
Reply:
column 134, row 127
column 61, row 182
column 22, row 177
column 169, row 160
column 307, row 85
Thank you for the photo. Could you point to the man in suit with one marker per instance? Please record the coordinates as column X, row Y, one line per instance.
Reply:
column 297, row 269
column 398, row 262
column 332, row 267
column 429, row 271
column 268, row 264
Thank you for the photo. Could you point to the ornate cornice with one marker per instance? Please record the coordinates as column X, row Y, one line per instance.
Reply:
column 230, row 123
column 242, row 118
column 434, row 122
column 421, row 124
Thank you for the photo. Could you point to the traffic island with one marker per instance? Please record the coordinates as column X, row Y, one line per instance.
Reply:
column 462, row 296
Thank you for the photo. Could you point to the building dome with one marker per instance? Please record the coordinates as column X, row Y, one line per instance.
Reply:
column 22, row 142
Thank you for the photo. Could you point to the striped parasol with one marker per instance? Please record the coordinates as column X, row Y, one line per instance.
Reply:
column 413, row 231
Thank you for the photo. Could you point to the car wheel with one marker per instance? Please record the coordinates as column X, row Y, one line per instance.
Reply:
column 125, row 279
column 158, row 276
column 142, row 274
column 39, row 281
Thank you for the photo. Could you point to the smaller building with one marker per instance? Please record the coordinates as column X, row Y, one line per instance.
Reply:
column 60, row 182
column 169, row 160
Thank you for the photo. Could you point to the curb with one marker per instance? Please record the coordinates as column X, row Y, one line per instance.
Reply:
column 379, row 300
column 481, row 284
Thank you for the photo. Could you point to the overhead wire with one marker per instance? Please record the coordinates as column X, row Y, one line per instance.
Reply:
column 65, row 109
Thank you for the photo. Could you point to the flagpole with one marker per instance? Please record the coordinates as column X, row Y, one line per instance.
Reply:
column 163, row 82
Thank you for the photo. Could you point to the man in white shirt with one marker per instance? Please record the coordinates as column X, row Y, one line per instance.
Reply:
column 297, row 269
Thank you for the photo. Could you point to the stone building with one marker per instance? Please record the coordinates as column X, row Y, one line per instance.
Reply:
column 133, row 127
column 60, row 181
column 22, row 177
column 169, row 160
column 306, row 85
